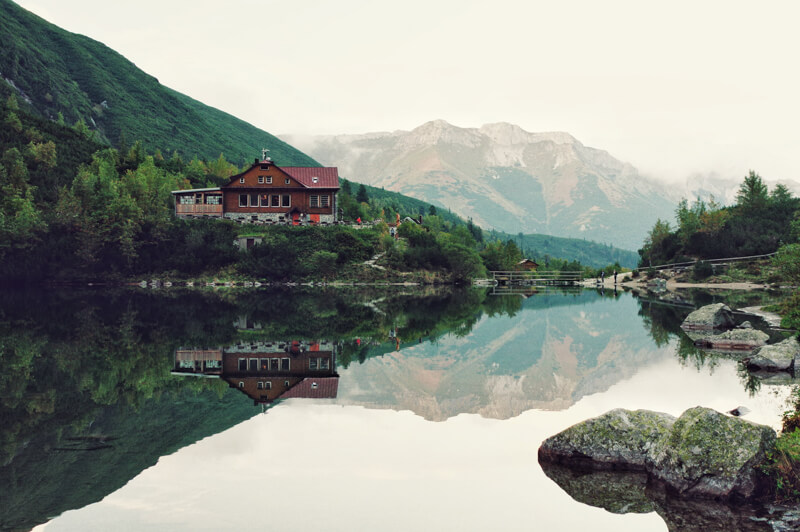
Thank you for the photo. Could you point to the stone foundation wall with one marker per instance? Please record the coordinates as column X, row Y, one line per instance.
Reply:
column 274, row 218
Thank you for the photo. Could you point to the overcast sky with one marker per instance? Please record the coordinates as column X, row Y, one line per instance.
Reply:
column 672, row 87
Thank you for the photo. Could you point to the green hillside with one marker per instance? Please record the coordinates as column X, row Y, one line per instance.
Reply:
column 586, row 252
column 536, row 246
column 56, row 71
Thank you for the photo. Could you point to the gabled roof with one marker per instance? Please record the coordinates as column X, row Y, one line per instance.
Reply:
column 308, row 176
column 314, row 388
column 327, row 176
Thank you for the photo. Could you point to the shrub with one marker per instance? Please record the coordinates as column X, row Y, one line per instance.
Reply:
column 790, row 310
column 785, row 466
column 702, row 270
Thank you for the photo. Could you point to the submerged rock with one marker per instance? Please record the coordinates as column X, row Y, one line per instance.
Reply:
column 618, row 492
column 711, row 455
column 716, row 316
column 619, row 439
column 628, row 492
column 776, row 357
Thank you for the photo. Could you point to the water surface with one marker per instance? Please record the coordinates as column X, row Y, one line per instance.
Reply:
column 440, row 403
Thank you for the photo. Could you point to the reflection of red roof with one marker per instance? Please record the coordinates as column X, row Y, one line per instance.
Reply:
column 314, row 388
column 327, row 177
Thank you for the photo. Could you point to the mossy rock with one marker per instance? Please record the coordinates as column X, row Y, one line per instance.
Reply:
column 715, row 316
column 776, row 357
column 711, row 455
column 619, row 439
column 737, row 339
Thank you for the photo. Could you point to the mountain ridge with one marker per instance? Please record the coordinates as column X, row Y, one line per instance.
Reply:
column 505, row 178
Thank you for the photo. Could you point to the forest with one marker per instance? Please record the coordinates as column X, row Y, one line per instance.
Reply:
column 74, row 209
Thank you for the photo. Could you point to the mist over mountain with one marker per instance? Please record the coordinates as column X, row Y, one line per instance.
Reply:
column 723, row 189
column 505, row 178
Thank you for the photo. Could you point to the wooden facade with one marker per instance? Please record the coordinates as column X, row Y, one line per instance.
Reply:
column 267, row 193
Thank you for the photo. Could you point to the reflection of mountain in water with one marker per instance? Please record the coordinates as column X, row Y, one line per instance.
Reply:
column 559, row 348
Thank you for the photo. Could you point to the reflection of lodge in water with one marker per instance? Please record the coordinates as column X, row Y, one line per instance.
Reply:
column 266, row 370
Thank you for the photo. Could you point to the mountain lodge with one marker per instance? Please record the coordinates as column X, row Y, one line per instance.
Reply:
column 266, row 193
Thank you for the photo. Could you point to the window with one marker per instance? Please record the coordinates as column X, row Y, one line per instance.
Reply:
column 269, row 179
column 254, row 200
column 314, row 201
column 287, row 181
column 319, row 364
column 264, row 363
column 268, row 385
column 186, row 200
column 242, row 200
column 276, row 200
column 264, row 200
column 213, row 200
column 286, row 384
column 324, row 201
column 253, row 364
column 274, row 364
column 241, row 384
column 286, row 200
column 315, row 180
column 242, row 364
column 284, row 364
column 241, row 180
column 261, row 179
column 260, row 385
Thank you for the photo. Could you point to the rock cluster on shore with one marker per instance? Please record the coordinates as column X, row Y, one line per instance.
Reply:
column 700, row 454
column 766, row 358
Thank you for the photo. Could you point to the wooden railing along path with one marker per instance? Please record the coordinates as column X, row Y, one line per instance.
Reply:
column 713, row 262
column 536, row 277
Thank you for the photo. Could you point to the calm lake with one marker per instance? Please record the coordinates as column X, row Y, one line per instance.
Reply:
column 348, row 409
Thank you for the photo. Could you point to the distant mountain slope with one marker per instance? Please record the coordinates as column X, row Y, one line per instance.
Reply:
column 505, row 178
column 58, row 71
column 536, row 246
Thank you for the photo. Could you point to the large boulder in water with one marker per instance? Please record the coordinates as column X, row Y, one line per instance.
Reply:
column 777, row 357
column 716, row 316
column 619, row 439
column 710, row 455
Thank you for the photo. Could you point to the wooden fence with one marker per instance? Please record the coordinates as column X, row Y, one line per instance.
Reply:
column 536, row 277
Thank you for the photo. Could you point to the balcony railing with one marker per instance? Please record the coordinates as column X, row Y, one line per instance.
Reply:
column 198, row 209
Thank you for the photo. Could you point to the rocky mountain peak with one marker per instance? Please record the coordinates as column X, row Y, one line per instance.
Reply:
column 442, row 132
column 509, row 134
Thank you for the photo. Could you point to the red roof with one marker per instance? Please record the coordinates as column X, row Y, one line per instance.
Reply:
column 314, row 388
column 326, row 176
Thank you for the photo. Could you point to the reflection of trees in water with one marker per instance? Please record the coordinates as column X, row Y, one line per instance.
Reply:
column 89, row 364
column 662, row 320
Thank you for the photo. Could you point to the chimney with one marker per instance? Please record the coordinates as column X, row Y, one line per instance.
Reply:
column 256, row 161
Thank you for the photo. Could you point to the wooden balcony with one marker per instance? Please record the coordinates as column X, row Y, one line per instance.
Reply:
column 198, row 210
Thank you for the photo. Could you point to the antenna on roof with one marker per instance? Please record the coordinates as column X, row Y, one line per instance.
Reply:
column 264, row 154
